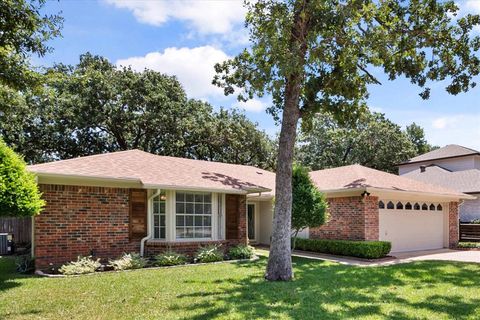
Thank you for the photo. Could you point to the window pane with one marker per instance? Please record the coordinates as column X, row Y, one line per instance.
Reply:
column 208, row 209
column 208, row 198
column 189, row 197
column 162, row 207
column 198, row 208
column 439, row 207
column 156, row 207
column 390, row 205
column 207, row 221
column 162, row 233
column 207, row 232
column 381, row 205
column 432, row 207
column 408, row 206
column 198, row 221
column 180, row 196
column 180, row 233
column 188, row 232
column 180, row 221
column 424, row 206
column 156, row 220
column 156, row 233
column 180, row 207
column 189, row 208
column 198, row 197
column 399, row 205
column 189, row 220
column 162, row 220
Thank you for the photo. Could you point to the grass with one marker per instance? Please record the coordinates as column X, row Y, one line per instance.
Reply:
column 321, row 290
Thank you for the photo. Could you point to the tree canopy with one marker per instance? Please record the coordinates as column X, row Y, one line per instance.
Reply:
column 312, row 56
column 417, row 136
column 19, row 195
column 94, row 107
column 372, row 141
column 24, row 32
column 309, row 207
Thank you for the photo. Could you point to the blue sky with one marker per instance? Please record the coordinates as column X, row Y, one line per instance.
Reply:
column 185, row 38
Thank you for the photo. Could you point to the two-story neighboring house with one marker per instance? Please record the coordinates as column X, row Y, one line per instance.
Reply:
column 454, row 167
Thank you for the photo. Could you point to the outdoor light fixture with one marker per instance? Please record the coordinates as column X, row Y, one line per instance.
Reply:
column 365, row 193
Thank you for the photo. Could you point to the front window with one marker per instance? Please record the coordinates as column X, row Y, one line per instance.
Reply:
column 159, row 211
column 193, row 216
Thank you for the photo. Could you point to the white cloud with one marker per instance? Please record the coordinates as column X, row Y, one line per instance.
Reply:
column 202, row 16
column 253, row 105
column 440, row 123
column 472, row 6
column 463, row 129
column 192, row 66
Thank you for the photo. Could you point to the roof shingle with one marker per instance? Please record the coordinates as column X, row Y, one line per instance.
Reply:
column 449, row 151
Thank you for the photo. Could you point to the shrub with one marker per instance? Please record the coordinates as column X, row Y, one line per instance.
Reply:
column 210, row 253
column 476, row 221
column 241, row 252
column 19, row 194
column 83, row 265
column 128, row 261
column 169, row 258
column 25, row 264
column 469, row 245
column 360, row 249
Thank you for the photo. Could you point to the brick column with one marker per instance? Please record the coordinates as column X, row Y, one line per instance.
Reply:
column 453, row 228
column 371, row 215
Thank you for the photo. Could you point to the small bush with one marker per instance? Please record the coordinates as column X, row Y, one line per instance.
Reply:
column 169, row 258
column 83, row 265
column 210, row 253
column 469, row 245
column 360, row 249
column 128, row 261
column 476, row 221
column 241, row 252
column 25, row 264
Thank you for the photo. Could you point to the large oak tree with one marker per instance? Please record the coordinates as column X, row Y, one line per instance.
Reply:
column 319, row 55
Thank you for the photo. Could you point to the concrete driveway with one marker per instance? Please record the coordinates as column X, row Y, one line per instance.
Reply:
column 441, row 254
column 397, row 257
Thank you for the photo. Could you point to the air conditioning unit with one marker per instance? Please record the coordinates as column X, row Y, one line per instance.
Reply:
column 6, row 243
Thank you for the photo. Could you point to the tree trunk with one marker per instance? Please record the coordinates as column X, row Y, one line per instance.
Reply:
column 280, row 258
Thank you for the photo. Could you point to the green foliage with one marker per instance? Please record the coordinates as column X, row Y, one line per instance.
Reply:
column 83, row 265
column 94, row 107
column 128, row 261
column 417, row 136
column 211, row 253
column 240, row 252
column 170, row 258
column 24, row 31
column 360, row 249
column 475, row 221
column 469, row 245
column 372, row 141
column 309, row 207
column 19, row 195
column 25, row 264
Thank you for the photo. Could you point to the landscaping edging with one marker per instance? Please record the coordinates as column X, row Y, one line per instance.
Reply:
column 50, row 275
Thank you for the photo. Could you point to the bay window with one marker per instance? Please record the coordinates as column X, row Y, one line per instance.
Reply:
column 159, row 212
column 193, row 215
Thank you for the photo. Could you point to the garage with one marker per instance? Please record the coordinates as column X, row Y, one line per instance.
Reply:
column 413, row 225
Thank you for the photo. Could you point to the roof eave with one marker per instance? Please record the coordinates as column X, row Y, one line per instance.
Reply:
column 433, row 159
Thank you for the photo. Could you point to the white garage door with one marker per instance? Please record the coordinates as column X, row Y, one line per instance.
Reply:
column 412, row 226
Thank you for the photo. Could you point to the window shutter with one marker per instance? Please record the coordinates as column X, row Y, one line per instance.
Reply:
column 138, row 214
column 231, row 216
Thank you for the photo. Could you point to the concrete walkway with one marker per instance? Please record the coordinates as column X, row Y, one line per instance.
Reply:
column 396, row 258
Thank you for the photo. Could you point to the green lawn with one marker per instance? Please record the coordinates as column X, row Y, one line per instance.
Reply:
column 322, row 290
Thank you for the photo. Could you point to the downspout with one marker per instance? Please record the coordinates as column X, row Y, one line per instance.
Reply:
column 149, row 223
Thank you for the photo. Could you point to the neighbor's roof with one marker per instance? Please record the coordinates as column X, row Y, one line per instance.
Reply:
column 161, row 172
column 359, row 177
column 449, row 151
column 464, row 181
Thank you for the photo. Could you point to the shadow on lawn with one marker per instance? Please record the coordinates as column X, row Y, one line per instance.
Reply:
column 8, row 275
column 330, row 291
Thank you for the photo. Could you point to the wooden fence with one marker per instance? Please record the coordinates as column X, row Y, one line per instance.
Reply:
column 21, row 228
column 469, row 232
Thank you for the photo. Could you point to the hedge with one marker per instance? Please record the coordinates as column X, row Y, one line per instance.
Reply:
column 360, row 249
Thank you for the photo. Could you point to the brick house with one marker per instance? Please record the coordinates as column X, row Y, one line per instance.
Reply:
column 133, row 201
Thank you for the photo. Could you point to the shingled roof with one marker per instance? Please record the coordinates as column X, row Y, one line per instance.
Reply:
column 360, row 177
column 463, row 181
column 156, row 171
column 449, row 151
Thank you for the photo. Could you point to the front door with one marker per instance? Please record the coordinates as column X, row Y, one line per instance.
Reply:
column 251, row 221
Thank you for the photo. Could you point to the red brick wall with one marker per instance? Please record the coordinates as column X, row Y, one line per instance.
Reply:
column 188, row 248
column 238, row 215
column 78, row 220
column 351, row 218
column 453, row 227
